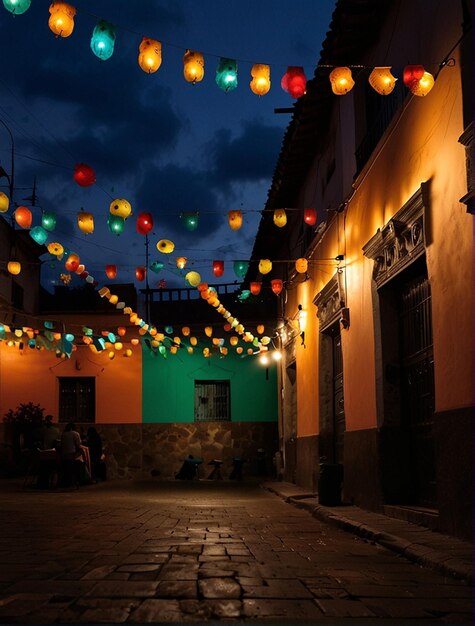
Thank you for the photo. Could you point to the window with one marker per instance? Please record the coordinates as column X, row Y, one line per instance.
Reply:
column 77, row 399
column 212, row 400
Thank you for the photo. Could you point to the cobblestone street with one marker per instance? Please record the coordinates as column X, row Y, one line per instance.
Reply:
column 199, row 551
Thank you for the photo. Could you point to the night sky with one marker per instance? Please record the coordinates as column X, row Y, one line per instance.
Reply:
column 163, row 144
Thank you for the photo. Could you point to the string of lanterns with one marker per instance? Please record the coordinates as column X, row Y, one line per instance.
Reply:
column 294, row 81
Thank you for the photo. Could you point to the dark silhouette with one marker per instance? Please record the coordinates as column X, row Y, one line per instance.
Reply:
column 96, row 454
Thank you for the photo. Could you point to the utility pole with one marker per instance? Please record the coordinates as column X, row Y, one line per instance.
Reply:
column 11, row 177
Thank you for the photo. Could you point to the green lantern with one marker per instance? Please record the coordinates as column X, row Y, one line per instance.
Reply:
column 190, row 220
column 226, row 74
column 103, row 40
column 156, row 266
column 39, row 234
column 240, row 268
column 244, row 295
column 116, row 224
column 48, row 220
column 17, row 7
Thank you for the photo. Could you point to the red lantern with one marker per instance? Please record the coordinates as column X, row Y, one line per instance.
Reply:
column 218, row 268
column 276, row 285
column 72, row 262
column 310, row 216
column 111, row 271
column 294, row 81
column 140, row 272
column 23, row 217
column 412, row 75
column 144, row 223
column 84, row 175
column 255, row 288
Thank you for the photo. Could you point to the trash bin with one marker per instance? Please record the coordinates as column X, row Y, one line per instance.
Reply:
column 330, row 484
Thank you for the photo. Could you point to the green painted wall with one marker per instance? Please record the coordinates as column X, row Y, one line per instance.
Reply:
column 168, row 389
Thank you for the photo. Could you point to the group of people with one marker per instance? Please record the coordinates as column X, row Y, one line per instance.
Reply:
column 81, row 458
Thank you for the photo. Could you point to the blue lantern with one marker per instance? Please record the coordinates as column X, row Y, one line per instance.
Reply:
column 103, row 40
column 190, row 220
column 240, row 268
column 17, row 7
column 48, row 220
column 156, row 266
column 116, row 224
column 226, row 74
column 39, row 234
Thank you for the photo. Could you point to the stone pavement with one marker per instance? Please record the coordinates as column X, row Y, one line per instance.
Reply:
column 206, row 551
column 447, row 555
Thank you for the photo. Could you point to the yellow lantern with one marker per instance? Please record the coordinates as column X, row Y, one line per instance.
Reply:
column 341, row 80
column 61, row 20
column 177, row 340
column 193, row 341
column 185, row 331
column 181, row 262
column 301, row 265
column 111, row 355
column 135, row 342
column 189, row 350
column 208, row 331
column 223, row 350
column 280, row 217
column 240, row 329
column 173, row 349
column 86, row 222
column 166, row 246
column 260, row 83
column 14, row 267
column 150, row 55
column 260, row 329
column 128, row 353
column 424, row 85
column 4, row 202
column 193, row 278
column 206, row 352
column 118, row 346
column 235, row 219
column 233, row 340
column 55, row 248
column 265, row 341
column 121, row 208
column 114, row 299
column 382, row 81
column 215, row 341
column 265, row 266
column 193, row 66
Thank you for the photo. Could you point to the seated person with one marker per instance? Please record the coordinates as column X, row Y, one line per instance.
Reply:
column 50, row 435
column 71, row 456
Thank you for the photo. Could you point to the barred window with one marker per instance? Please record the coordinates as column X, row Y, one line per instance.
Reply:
column 212, row 400
column 77, row 399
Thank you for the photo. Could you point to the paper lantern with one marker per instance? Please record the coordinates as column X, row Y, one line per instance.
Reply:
column 424, row 85
column 226, row 74
column 181, row 262
column 240, row 268
column 218, row 268
column 156, row 266
column 276, row 285
column 260, row 83
column 280, row 218
column 14, row 267
column 144, row 223
column 111, row 271
column 265, row 266
column 260, row 329
column 116, row 224
column 233, row 340
column 412, row 74
column 193, row 278
column 84, row 175
column 39, row 234
column 80, row 269
column 103, row 40
column 193, row 341
column 135, row 342
column 140, row 272
column 208, row 331
column 202, row 287
column 165, row 246
column 86, row 222
column 4, row 202
column 55, row 248
column 23, row 217
column 235, row 219
column 48, row 220
column 382, row 81
column 193, row 66
column 121, row 331
column 294, row 81
column 17, row 7
column 255, row 288
column 341, row 80
column 61, row 20
column 190, row 220
column 128, row 353
column 150, row 55
column 72, row 262
column 301, row 265
column 310, row 216
column 120, row 207
column 185, row 331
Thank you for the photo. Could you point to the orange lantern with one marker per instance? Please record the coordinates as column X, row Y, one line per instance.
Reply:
column 310, row 216
column 61, row 20
column 255, row 288
column 150, row 55
column 193, row 66
column 235, row 219
column 111, row 271
column 135, row 342
column 72, row 262
column 301, row 265
column 260, row 329
column 341, row 80
column 193, row 341
column 424, row 85
column 208, row 331
column 86, row 222
column 55, row 248
column 382, row 81
column 23, row 217
column 280, row 218
column 276, row 285
column 121, row 331
column 202, row 287
column 14, row 267
column 260, row 83
column 181, row 262
column 233, row 340
column 185, row 331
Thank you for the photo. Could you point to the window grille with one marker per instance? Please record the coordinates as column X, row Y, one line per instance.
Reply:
column 212, row 400
column 77, row 399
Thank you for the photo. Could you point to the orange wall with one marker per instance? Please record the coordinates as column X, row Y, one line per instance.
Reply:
column 32, row 376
